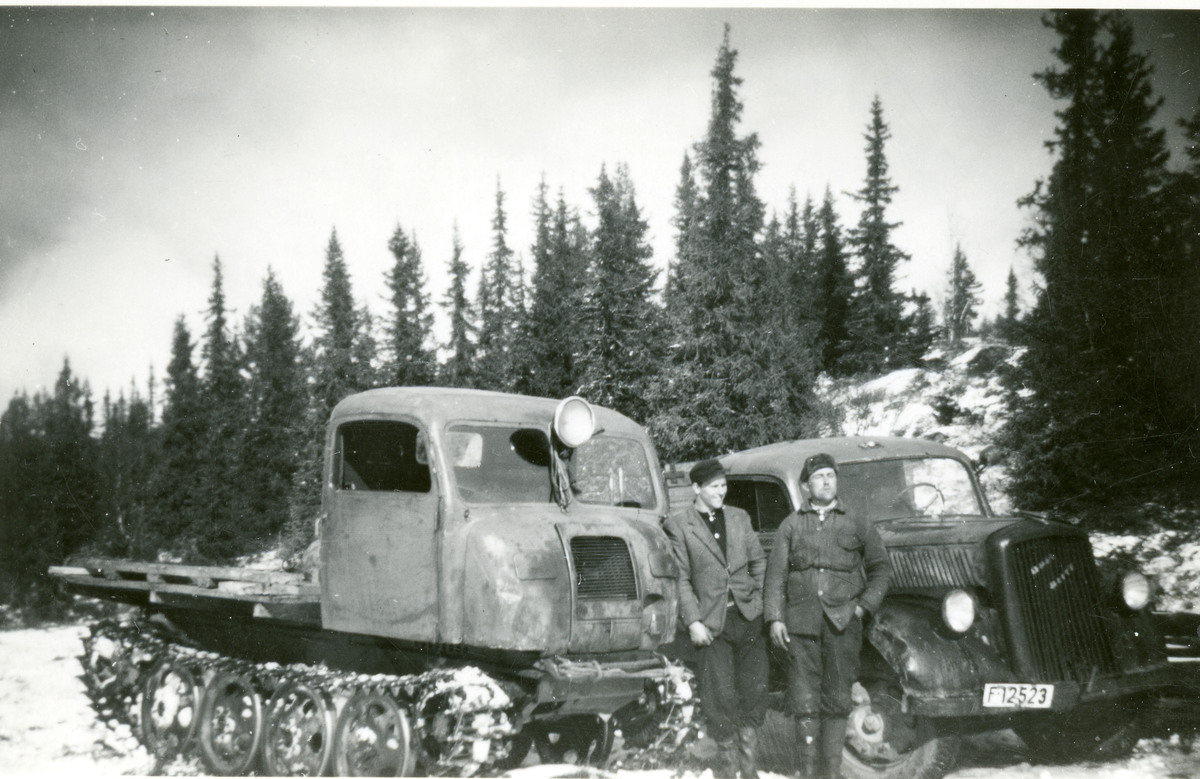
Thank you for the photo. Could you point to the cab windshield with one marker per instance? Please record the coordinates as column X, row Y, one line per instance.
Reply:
column 512, row 465
column 895, row 489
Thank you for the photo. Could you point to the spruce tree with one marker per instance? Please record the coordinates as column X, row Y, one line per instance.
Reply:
column 459, row 365
column 339, row 364
column 22, row 452
column 876, row 317
column 622, row 341
column 834, row 288
column 1009, row 321
column 684, row 223
column 797, row 263
column 338, row 368
column 70, row 490
column 177, row 478
column 278, row 401
column 409, row 332
column 551, row 342
column 962, row 299
column 918, row 327
column 128, row 453
column 740, row 372
column 216, row 530
column 1098, row 422
column 500, row 304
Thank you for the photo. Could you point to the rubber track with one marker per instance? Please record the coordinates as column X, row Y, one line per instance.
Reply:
column 119, row 656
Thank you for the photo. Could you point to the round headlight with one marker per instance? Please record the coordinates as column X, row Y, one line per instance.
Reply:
column 1135, row 590
column 958, row 611
column 574, row 421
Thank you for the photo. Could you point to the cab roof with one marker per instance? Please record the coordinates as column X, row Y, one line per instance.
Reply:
column 785, row 459
column 437, row 406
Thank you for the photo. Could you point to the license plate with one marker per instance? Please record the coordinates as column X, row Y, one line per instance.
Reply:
column 1018, row 696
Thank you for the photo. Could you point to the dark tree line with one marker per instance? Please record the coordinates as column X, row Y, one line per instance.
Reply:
column 1107, row 416
column 721, row 354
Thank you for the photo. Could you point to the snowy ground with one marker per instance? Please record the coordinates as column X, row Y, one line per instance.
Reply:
column 47, row 728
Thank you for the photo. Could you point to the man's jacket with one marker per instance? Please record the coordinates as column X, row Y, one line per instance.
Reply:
column 824, row 568
column 708, row 578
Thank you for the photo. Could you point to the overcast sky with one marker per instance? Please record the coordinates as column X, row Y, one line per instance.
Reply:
column 136, row 144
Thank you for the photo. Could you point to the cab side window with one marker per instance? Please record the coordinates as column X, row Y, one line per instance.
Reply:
column 381, row 457
column 765, row 501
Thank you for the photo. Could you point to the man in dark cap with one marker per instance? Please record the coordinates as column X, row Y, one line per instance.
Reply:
column 828, row 571
column 722, row 564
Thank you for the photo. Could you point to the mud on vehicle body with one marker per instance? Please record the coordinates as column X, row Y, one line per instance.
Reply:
column 492, row 576
column 989, row 622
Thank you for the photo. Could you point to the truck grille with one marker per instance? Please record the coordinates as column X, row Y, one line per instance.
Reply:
column 1058, row 603
column 603, row 568
column 919, row 569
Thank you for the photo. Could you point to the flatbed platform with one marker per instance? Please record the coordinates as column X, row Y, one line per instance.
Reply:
column 227, row 583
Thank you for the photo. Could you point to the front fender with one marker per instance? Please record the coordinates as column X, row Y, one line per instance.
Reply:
column 942, row 674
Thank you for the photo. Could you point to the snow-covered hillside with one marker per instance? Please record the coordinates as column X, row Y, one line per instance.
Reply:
column 958, row 399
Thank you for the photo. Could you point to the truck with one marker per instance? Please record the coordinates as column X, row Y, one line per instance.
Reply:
column 990, row 621
column 491, row 575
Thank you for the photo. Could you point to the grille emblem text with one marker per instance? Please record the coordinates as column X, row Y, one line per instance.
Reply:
column 1042, row 565
column 1057, row 580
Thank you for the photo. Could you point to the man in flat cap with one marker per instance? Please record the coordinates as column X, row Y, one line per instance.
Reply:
column 827, row 572
column 721, row 565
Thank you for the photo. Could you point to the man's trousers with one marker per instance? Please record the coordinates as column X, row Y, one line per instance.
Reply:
column 733, row 673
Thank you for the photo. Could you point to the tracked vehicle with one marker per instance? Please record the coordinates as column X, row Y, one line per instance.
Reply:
column 491, row 576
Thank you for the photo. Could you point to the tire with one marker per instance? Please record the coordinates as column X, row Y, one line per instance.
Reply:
column 170, row 710
column 373, row 738
column 883, row 742
column 231, row 724
column 300, row 722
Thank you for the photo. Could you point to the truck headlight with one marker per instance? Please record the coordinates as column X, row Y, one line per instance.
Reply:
column 1135, row 590
column 958, row 610
column 574, row 421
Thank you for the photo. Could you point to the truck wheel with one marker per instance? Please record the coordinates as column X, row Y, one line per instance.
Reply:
column 882, row 742
column 170, row 710
column 299, row 735
column 231, row 724
column 373, row 738
column 582, row 739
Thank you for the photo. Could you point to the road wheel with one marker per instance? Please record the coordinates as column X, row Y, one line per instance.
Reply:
column 299, row 734
column 882, row 742
column 518, row 750
column 582, row 739
column 231, row 724
column 170, row 709
column 373, row 738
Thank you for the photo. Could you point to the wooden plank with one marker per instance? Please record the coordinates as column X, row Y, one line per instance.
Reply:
column 303, row 593
column 113, row 568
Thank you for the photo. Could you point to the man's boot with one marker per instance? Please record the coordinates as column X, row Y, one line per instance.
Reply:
column 725, row 766
column 808, row 734
column 833, row 740
column 748, row 751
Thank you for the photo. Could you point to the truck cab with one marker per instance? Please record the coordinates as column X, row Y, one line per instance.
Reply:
column 476, row 519
column 989, row 622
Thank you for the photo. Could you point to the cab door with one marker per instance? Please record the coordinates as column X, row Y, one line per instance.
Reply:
column 379, row 540
column 766, row 501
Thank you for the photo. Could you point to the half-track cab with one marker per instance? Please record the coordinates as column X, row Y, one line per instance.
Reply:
column 990, row 621
column 491, row 574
